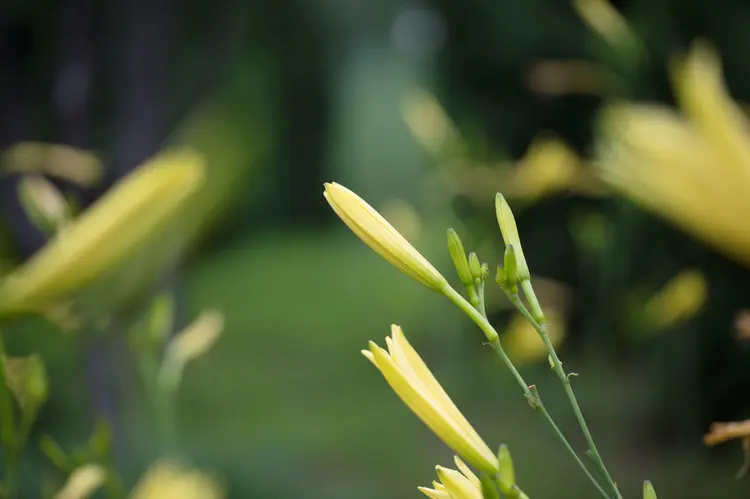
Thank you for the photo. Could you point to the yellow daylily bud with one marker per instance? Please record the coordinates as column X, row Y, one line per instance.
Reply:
column 380, row 235
column 103, row 236
column 508, row 228
column 413, row 382
column 194, row 341
column 83, row 482
column 167, row 480
column 648, row 490
column 78, row 166
column 458, row 485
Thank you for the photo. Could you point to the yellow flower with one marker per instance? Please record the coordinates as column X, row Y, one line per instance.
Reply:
column 167, row 480
column 413, row 382
column 103, row 236
column 454, row 485
column 679, row 300
column 380, row 235
column 83, row 482
column 693, row 170
column 74, row 165
column 607, row 22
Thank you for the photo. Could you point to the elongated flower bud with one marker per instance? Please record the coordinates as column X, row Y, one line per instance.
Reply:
column 378, row 234
column 508, row 228
column 103, row 236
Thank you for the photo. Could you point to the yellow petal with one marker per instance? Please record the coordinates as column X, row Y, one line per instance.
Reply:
column 457, row 485
column 703, row 96
column 467, row 472
column 409, row 361
column 457, row 434
column 434, row 494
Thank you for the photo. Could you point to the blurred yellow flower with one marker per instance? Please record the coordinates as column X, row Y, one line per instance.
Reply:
column 522, row 342
column 103, row 236
column 168, row 480
column 549, row 166
column 454, row 485
column 74, row 165
column 380, row 235
column 83, row 482
column 429, row 123
column 413, row 382
column 192, row 342
column 692, row 170
column 607, row 22
column 679, row 300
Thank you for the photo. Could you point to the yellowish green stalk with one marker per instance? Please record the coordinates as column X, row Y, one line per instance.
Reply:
column 530, row 392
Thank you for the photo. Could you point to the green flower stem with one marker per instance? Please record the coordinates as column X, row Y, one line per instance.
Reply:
column 565, row 380
column 530, row 392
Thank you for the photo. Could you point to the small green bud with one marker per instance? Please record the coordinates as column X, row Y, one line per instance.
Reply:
column 648, row 490
column 489, row 489
column 458, row 255
column 500, row 278
column 507, row 472
column 485, row 271
column 510, row 262
column 551, row 362
column 474, row 266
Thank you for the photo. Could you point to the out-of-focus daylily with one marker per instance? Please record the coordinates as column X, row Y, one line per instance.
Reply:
column 83, row 482
column 430, row 124
column 74, row 165
column 679, row 300
column 117, row 225
column 721, row 432
column 407, row 374
column 692, row 169
column 168, row 480
column 522, row 342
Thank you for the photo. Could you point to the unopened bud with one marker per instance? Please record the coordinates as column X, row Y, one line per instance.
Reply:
column 648, row 490
column 510, row 262
column 474, row 266
column 507, row 223
column 489, row 489
column 507, row 471
column 458, row 255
